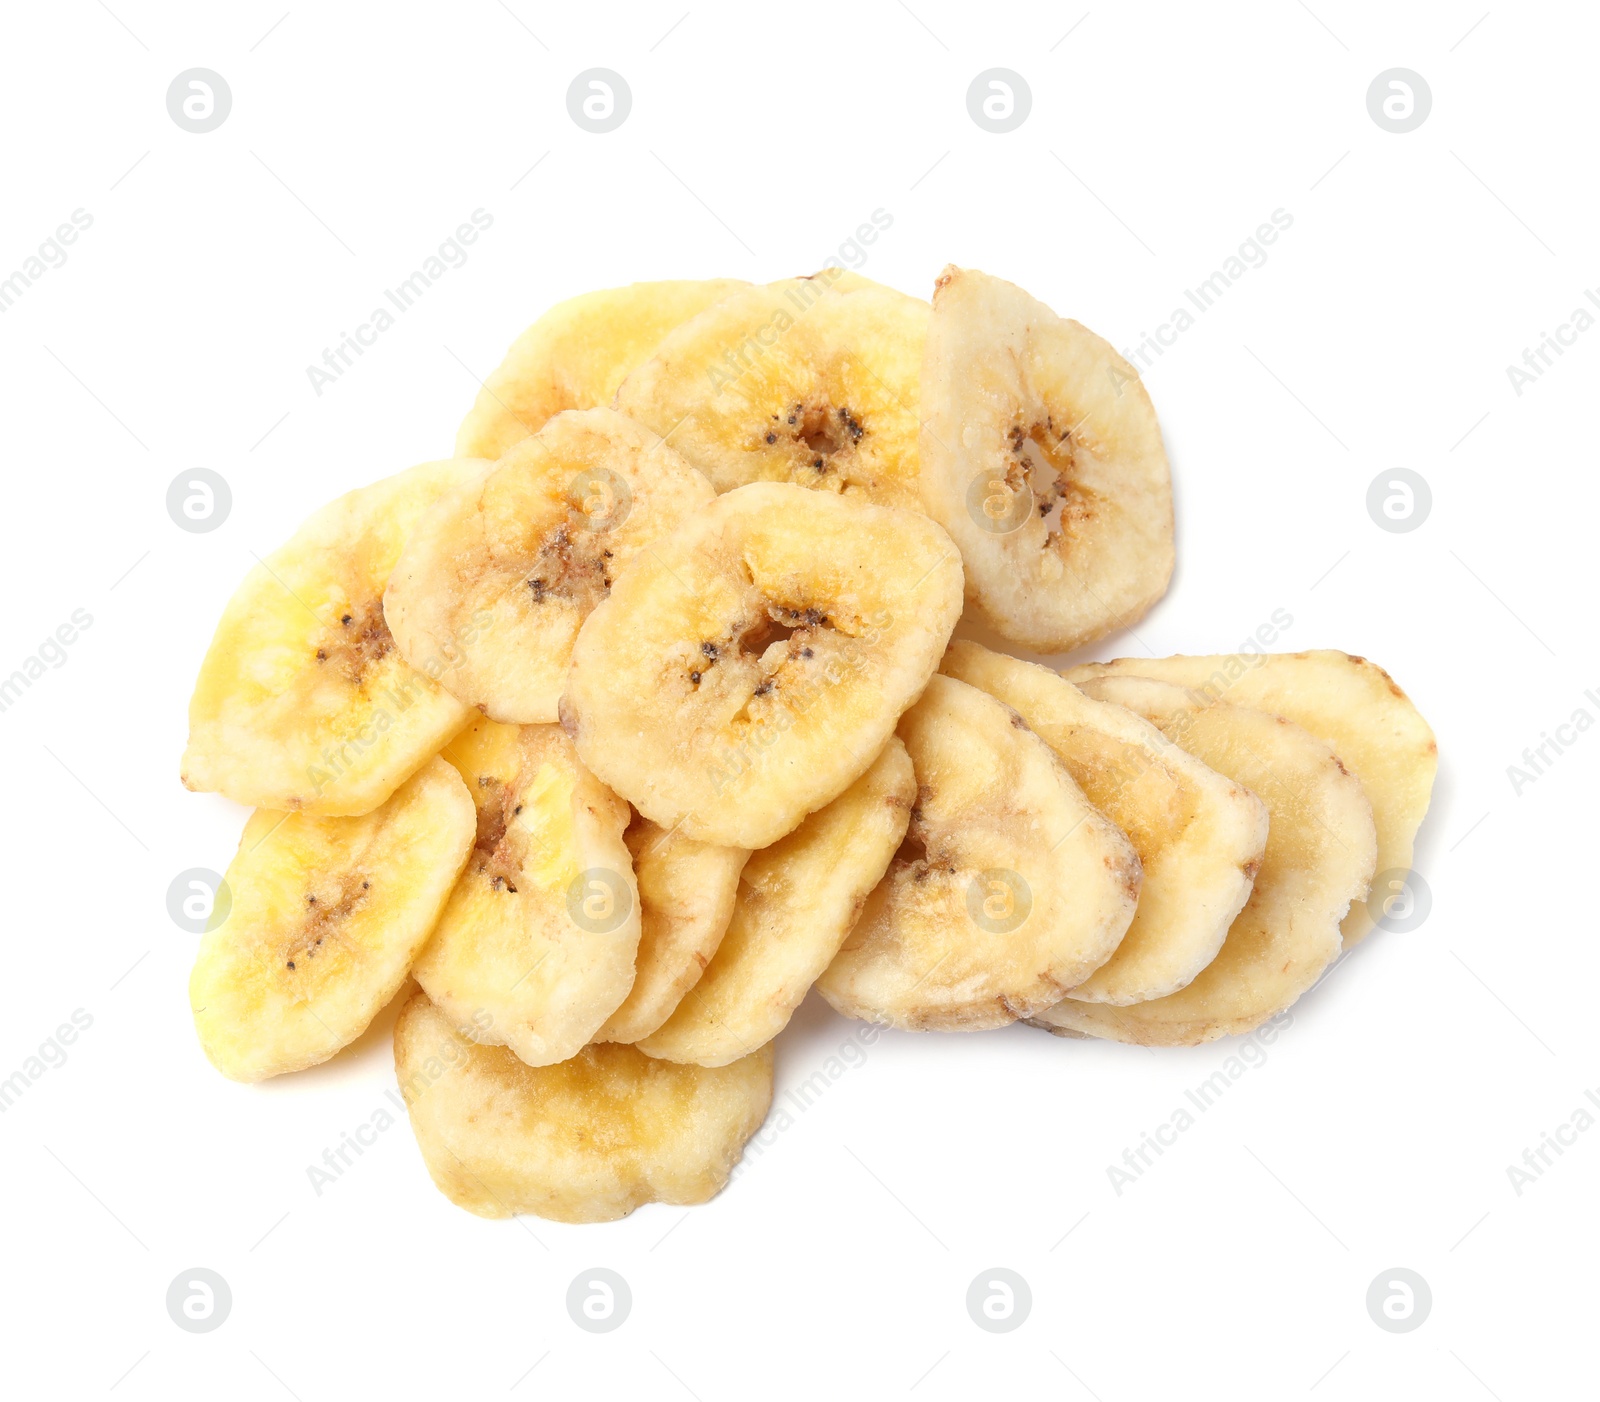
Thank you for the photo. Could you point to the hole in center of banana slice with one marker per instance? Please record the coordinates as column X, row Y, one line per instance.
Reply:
column 356, row 641
column 782, row 625
column 501, row 846
column 1041, row 475
column 913, row 850
column 576, row 569
column 776, row 644
column 819, row 440
column 491, row 815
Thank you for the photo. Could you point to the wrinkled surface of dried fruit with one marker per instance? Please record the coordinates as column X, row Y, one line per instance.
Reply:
column 499, row 574
column 813, row 381
column 535, row 948
column 576, row 355
column 303, row 702
column 745, row 672
column 586, row 1140
column 1349, row 703
column 1009, row 890
column 324, row 917
column 797, row 901
column 1042, row 457
column 1321, row 846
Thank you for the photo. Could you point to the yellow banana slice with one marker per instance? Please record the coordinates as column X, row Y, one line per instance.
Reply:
column 686, row 897
column 1042, row 457
column 505, row 568
column 797, row 902
column 1009, row 890
column 746, row 671
column 325, row 919
column 1320, row 852
column 303, row 703
column 812, row 381
column 536, row 945
column 1349, row 703
column 576, row 355
column 586, row 1140
column 1199, row 836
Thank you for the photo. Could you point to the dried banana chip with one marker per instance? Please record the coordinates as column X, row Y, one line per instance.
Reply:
column 745, row 672
column 1199, row 836
column 1009, row 890
column 812, row 381
column 575, row 356
column 1320, row 852
column 326, row 916
column 501, row 573
column 1347, row 702
column 1042, row 457
column 535, row 948
column 586, row 1140
column 686, row 896
column 303, row 702
column 797, row 902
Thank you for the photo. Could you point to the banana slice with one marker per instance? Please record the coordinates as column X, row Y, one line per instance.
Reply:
column 1199, row 836
column 1042, row 457
column 587, row 1140
column 797, row 902
column 535, row 948
column 745, row 672
column 1320, row 852
column 812, row 381
column 506, row 568
column 575, row 356
column 327, row 915
column 1348, row 703
column 1009, row 890
column 303, row 703
column 686, row 898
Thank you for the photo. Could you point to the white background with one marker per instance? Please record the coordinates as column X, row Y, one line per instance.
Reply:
column 1379, row 1129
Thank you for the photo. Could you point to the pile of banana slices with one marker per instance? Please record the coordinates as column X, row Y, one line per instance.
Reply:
column 601, row 743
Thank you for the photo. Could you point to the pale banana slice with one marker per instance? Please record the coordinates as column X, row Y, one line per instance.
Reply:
column 586, row 1140
column 1009, row 890
column 797, row 902
column 326, row 916
column 1320, row 852
column 1351, row 704
column 1042, row 457
column 303, row 702
column 501, row 573
column 1199, row 835
column 575, row 356
column 746, row 671
column 686, row 897
column 535, row 949
column 812, row 381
